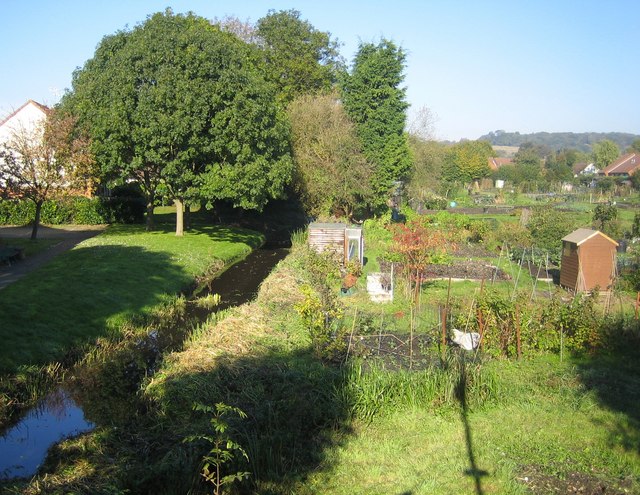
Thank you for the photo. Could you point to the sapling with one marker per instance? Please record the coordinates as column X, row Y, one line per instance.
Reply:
column 224, row 449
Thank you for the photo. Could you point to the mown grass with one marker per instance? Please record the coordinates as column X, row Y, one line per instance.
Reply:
column 546, row 419
column 320, row 428
column 315, row 427
column 91, row 290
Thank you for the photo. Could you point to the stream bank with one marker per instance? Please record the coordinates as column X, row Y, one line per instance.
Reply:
column 104, row 391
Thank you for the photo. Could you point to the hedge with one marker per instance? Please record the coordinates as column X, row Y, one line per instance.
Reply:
column 74, row 210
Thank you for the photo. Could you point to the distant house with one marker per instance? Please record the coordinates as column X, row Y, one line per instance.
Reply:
column 26, row 118
column 588, row 261
column 26, row 122
column 624, row 166
column 495, row 162
column 584, row 168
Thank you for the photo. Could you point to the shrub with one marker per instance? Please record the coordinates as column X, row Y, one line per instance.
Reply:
column 124, row 209
column 514, row 235
column 57, row 211
column 436, row 203
column 547, row 228
column 74, row 210
column 88, row 212
column 16, row 212
column 321, row 314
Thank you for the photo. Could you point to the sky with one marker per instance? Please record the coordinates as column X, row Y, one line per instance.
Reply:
column 478, row 66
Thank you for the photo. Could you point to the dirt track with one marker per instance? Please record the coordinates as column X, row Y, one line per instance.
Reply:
column 68, row 236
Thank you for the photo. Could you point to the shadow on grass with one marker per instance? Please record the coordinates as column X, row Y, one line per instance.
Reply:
column 615, row 378
column 77, row 297
column 295, row 413
column 461, row 394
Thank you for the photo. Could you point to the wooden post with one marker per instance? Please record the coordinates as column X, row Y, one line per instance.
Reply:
column 443, row 321
column 637, row 304
column 480, row 328
column 518, row 348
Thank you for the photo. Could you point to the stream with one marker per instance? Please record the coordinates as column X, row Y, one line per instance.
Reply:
column 24, row 447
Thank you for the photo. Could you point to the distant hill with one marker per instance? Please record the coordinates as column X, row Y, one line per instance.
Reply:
column 558, row 140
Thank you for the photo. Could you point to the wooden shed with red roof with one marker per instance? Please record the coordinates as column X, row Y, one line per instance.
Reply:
column 588, row 261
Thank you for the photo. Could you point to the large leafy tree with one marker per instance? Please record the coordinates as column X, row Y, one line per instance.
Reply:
column 467, row 162
column 331, row 172
column 376, row 102
column 45, row 160
column 605, row 153
column 428, row 157
column 181, row 106
column 300, row 58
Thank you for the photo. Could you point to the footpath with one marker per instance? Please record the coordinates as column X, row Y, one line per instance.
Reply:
column 67, row 237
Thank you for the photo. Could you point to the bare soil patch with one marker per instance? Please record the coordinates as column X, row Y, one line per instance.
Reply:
column 394, row 351
column 540, row 483
column 459, row 269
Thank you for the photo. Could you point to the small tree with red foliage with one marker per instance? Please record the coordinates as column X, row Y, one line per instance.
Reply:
column 414, row 244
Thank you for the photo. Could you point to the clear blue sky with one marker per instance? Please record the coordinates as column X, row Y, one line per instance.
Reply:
column 527, row 66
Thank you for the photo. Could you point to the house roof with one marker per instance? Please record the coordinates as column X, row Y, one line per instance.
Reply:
column 579, row 236
column 579, row 167
column 40, row 106
column 495, row 162
column 321, row 225
column 625, row 165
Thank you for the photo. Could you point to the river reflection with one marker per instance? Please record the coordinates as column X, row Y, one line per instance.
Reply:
column 24, row 447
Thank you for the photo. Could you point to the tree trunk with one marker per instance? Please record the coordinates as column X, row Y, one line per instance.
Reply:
column 150, row 195
column 149, row 215
column 179, row 217
column 187, row 216
column 36, row 221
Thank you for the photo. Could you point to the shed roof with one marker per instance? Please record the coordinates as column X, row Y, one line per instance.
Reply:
column 581, row 235
column 320, row 225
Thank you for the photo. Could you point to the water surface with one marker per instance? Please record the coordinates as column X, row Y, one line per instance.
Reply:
column 24, row 447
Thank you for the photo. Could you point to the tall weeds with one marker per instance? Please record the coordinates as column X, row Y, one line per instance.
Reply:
column 371, row 390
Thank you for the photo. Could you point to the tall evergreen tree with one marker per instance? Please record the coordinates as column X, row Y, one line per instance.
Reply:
column 376, row 102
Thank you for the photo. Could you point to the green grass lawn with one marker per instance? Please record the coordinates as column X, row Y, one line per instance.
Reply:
column 552, row 424
column 90, row 290
column 318, row 428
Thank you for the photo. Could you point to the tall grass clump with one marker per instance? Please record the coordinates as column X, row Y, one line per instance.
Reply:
column 371, row 390
column 23, row 389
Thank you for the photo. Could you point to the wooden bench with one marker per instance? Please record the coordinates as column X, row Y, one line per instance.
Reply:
column 9, row 254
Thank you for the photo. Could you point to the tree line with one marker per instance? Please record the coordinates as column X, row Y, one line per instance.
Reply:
column 556, row 141
column 200, row 111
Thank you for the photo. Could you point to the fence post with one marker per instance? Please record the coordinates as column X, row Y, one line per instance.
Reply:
column 480, row 328
column 637, row 304
column 518, row 348
column 443, row 321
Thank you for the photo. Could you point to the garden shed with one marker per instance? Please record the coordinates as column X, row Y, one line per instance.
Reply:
column 343, row 239
column 588, row 261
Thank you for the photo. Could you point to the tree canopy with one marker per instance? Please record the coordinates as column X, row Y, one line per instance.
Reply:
column 376, row 102
column 178, row 104
column 331, row 172
column 300, row 58
column 467, row 161
column 605, row 153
